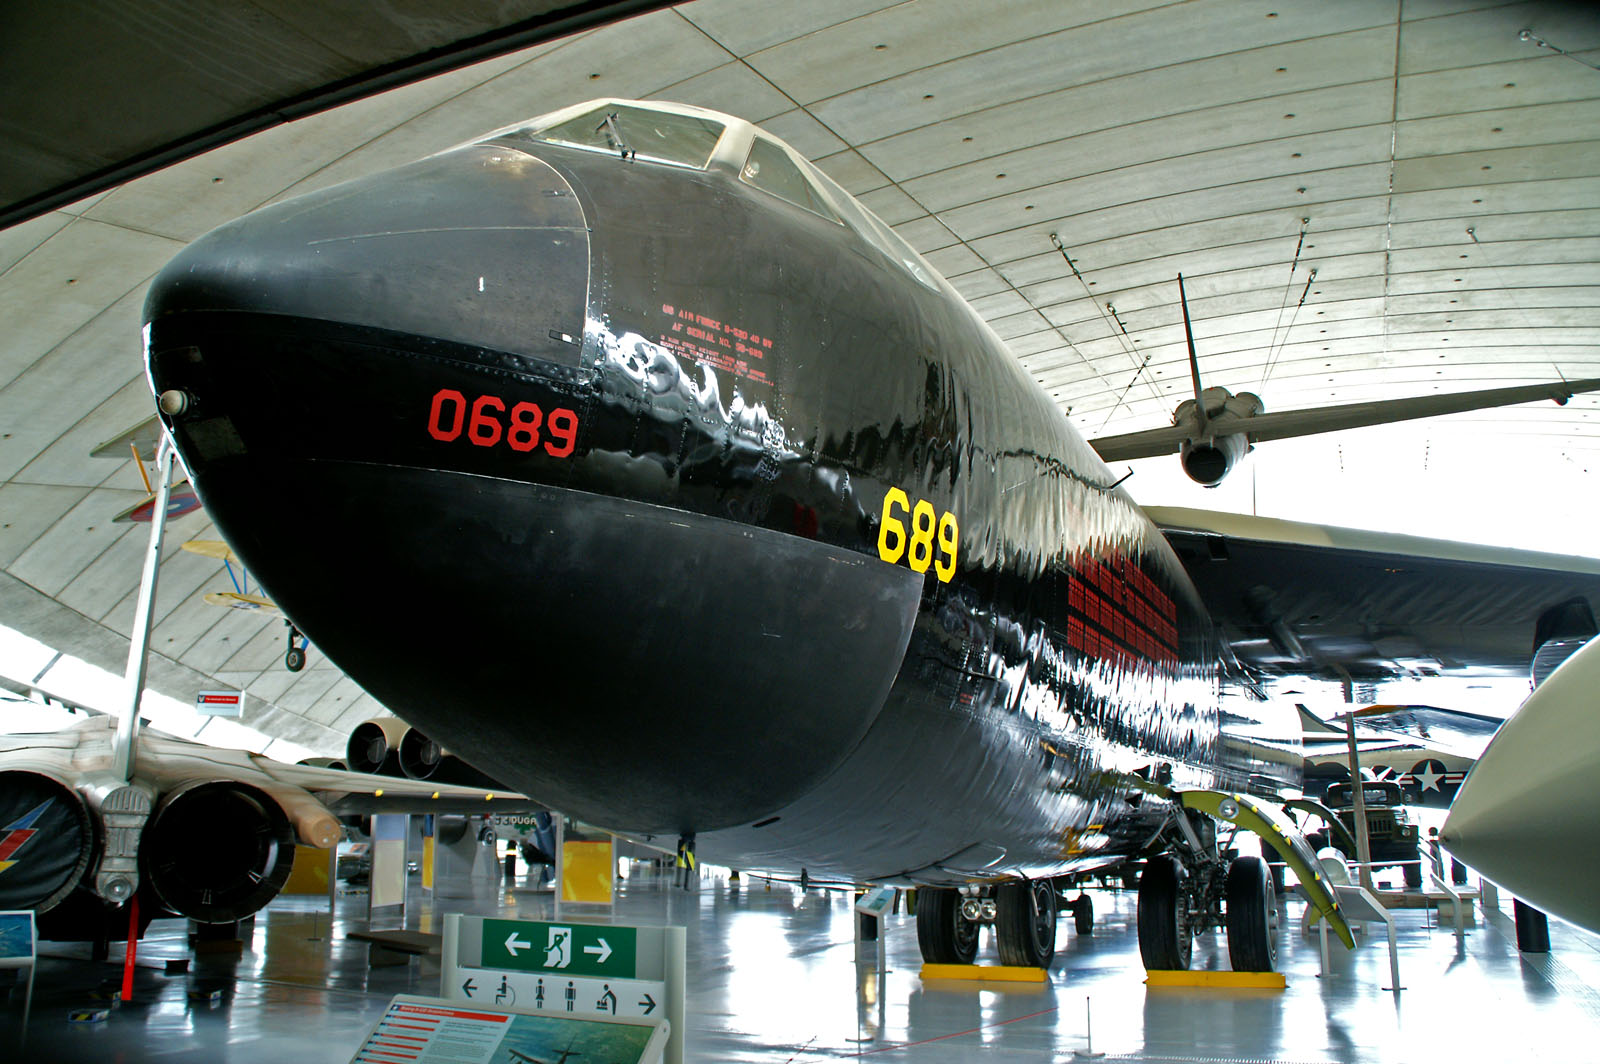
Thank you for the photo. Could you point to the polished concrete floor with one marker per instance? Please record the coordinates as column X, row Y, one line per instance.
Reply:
column 775, row 976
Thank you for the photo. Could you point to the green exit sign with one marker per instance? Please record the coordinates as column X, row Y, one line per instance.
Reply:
column 566, row 949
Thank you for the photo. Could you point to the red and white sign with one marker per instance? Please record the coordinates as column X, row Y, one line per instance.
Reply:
column 220, row 703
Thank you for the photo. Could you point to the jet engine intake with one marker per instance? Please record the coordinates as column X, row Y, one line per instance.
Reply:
column 421, row 758
column 217, row 850
column 1208, row 461
column 374, row 746
column 47, row 840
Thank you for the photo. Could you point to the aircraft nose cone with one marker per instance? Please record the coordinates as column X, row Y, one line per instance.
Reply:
column 483, row 245
column 1525, row 817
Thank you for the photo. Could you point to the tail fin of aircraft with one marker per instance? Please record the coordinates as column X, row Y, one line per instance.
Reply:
column 1194, row 361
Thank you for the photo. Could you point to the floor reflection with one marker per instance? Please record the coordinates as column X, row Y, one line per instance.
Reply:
column 777, row 975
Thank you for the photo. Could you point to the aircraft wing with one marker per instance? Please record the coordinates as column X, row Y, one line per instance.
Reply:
column 87, row 824
column 1298, row 599
column 1446, row 731
column 1169, row 439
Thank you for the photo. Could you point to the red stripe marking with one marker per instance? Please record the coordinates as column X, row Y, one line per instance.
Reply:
column 13, row 842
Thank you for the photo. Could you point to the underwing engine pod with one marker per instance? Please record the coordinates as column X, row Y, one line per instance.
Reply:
column 374, row 746
column 421, row 758
column 217, row 850
column 47, row 840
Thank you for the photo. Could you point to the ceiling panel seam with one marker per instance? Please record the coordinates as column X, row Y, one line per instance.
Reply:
column 1126, row 75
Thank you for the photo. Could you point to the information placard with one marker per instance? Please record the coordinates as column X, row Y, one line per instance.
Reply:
column 415, row 1030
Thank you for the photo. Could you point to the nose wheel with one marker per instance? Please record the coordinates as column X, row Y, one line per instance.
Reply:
column 295, row 658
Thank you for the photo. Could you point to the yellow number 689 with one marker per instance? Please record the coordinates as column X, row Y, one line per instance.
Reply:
column 893, row 539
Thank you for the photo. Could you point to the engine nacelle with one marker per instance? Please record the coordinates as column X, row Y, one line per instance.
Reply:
column 47, row 840
column 374, row 746
column 421, row 758
column 1209, row 461
column 217, row 850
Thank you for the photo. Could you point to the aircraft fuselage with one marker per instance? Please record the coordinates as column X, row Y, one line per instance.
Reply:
column 686, row 508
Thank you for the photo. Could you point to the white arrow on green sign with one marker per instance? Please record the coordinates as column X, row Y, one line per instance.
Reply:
column 568, row 949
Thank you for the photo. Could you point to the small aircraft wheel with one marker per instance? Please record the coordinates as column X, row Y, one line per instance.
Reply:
column 1083, row 914
column 1025, row 923
column 295, row 659
column 1252, row 916
column 945, row 936
column 1164, row 936
column 1413, row 876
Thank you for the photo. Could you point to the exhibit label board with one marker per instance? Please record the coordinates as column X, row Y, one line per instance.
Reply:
column 417, row 1030
column 16, row 938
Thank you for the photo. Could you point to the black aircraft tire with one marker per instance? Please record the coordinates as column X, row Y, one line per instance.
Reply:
column 295, row 659
column 943, row 935
column 1083, row 914
column 1164, row 941
column 1252, row 916
column 1025, row 923
column 1413, row 876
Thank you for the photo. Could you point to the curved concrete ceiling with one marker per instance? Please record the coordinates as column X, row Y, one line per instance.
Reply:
column 1437, row 167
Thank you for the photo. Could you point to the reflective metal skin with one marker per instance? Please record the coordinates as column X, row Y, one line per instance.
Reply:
column 1514, row 818
column 688, row 507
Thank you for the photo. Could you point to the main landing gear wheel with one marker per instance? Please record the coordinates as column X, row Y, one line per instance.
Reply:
column 1164, row 937
column 1252, row 916
column 1412, row 874
column 946, row 937
column 1083, row 914
column 1025, row 923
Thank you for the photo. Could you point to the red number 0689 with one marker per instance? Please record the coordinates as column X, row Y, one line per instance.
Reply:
column 487, row 423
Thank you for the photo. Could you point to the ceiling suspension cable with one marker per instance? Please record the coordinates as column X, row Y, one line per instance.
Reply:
column 1113, row 324
column 1288, row 287
column 1272, row 357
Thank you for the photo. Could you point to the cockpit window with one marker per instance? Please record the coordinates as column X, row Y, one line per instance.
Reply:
column 769, row 168
column 894, row 245
column 634, row 132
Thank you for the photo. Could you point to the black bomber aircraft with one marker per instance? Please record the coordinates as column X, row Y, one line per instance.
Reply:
column 695, row 504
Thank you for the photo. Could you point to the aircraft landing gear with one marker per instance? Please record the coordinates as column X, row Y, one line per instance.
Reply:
column 1178, row 899
column 1166, row 939
column 1025, row 923
column 1252, row 916
column 1083, row 914
column 945, row 931
column 294, row 659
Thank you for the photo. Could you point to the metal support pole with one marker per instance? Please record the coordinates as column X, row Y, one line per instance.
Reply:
column 1087, row 1052
column 1394, row 959
column 139, row 643
column 1359, row 808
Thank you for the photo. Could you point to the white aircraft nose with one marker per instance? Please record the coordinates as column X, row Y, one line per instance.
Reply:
column 1528, row 815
